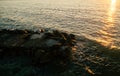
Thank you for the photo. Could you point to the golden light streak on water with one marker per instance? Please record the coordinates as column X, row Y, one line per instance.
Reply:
column 107, row 31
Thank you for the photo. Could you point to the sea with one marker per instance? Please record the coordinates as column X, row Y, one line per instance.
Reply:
column 97, row 20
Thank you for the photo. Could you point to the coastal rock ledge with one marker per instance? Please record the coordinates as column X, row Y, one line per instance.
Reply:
column 40, row 46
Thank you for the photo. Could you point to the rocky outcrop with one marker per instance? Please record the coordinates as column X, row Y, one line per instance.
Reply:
column 41, row 46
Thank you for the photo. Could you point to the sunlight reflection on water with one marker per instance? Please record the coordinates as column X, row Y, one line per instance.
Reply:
column 107, row 31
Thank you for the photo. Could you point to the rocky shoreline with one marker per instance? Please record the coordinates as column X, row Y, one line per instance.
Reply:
column 54, row 53
column 41, row 46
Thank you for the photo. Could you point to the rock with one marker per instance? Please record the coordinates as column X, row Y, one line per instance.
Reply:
column 37, row 36
column 1, row 50
column 33, row 43
column 63, row 48
column 71, row 36
column 51, row 42
column 12, row 40
column 26, row 71
column 41, row 56
column 56, row 32
column 41, row 46
column 41, row 30
column 49, row 35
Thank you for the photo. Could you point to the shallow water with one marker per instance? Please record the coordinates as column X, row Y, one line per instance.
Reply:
column 95, row 19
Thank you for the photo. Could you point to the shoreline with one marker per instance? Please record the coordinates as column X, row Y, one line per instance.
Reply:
column 88, row 57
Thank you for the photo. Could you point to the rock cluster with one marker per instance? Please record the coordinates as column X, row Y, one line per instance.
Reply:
column 41, row 46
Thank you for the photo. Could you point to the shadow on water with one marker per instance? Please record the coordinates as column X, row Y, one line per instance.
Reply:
column 101, row 60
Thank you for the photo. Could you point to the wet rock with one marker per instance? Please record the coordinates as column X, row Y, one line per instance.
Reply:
column 49, row 35
column 56, row 32
column 36, row 43
column 41, row 46
column 12, row 40
column 51, row 42
column 37, row 36
column 71, row 36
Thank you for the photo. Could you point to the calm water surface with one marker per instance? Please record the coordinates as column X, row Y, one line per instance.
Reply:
column 95, row 19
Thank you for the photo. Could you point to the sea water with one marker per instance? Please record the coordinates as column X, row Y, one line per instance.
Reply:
column 98, row 20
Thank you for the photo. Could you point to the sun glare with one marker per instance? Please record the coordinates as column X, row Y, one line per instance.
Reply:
column 107, row 30
column 113, row 1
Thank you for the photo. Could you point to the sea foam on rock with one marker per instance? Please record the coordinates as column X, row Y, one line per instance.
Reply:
column 41, row 46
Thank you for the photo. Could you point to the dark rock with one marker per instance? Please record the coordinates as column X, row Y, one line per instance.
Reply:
column 41, row 56
column 71, row 36
column 26, row 71
column 32, row 44
column 49, row 35
column 42, row 30
column 1, row 50
column 56, row 32
column 37, row 36
column 41, row 46
column 51, row 42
